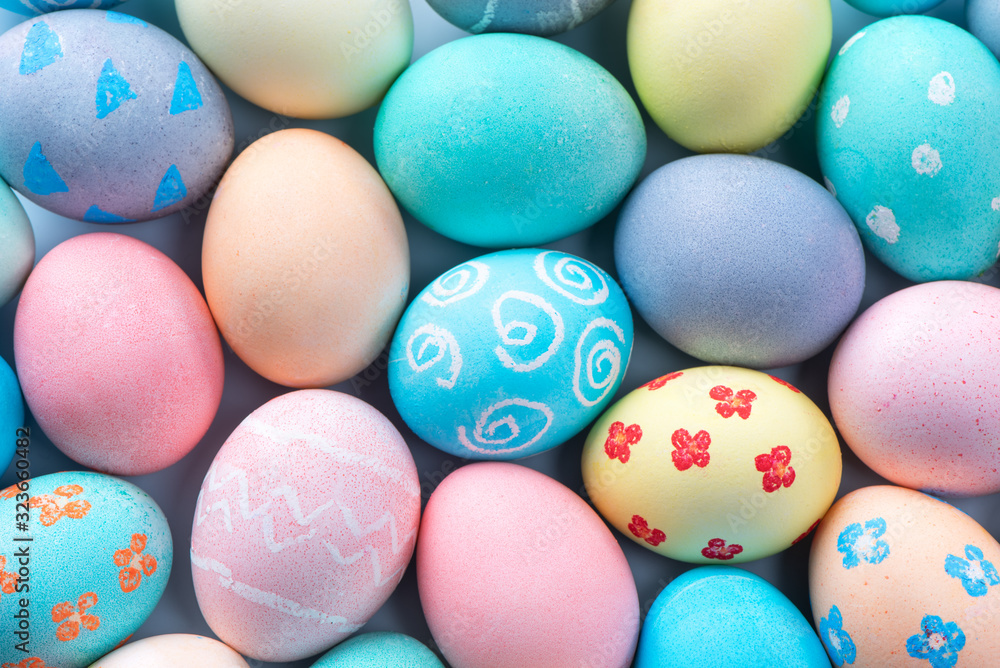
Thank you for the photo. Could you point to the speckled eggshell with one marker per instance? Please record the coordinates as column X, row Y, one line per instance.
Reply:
column 516, row 570
column 303, row 58
column 305, row 523
column 884, row 8
column 914, row 391
column 719, row 614
column 17, row 245
column 108, row 119
column 727, row 75
column 117, row 354
column 11, row 414
column 713, row 464
column 379, row 650
column 508, row 140
column 983, row 19
column 305, row 259
column 510, row 354
column 97, row 563
column 172, row 651
column 35, row 7
column 547, row 18
column 908, row 139
column 739, row 260
column 899, row 578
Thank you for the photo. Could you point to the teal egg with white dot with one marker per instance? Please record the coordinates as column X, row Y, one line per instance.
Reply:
column 35, row 7
column 909, row 142
column 379, row 650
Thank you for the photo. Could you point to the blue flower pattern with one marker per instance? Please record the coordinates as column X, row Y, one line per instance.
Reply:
column 837, row 641
column 939, row 643
column 863, row 543
column 975, row 572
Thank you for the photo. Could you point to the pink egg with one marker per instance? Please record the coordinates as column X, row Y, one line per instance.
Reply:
column 915, row 391
column 117, row 354
column 306, row 521
column 514, row 569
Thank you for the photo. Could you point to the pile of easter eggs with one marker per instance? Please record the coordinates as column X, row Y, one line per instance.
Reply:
column 476, row 362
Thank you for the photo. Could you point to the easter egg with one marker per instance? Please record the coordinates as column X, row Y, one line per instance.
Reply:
column 908, row 134
column 913, row 390
column 893, row 7
column 379, row 650
column 739, row 260
column 567, row 596
column 17, row 245
column 312, row 59
column 35, row 7
column 508, row 140
column 108, row 119
column 84, row 559
column 510, row 354
column 117, row 354
column 305, row 259
column 727, row 75
column 11, row 414
column 983, row 19
column 304, row 525
column 748, row 621
column 175, row 649
column 547, row 18
column 713, row 463
column 897, row 578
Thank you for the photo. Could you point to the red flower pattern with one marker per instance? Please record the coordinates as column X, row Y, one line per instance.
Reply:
column 786, row 384
column 730, row 405
column 640, row 529
column 662, row 380
column 619, row 438
column 776, row 469
column 806, row 532
column 717, row 549
column 690, row 449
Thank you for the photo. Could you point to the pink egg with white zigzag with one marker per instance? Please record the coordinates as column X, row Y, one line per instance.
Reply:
column 304, row 525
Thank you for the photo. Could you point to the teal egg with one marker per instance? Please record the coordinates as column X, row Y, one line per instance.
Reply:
column 893, row 7
column 379, row 650
column 88, row 557
column 510, row 354
column 718, row 615
column 505, row 140
column 909, row 142
column 11, row 413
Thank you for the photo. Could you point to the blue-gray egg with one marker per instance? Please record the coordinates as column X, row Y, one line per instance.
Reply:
column 719, row 615
column 739, row 260
column 510, row 354
column 35, row 7
column 545, row 18
column 908, row 138
column 983, row 19
column 11, row 417
column 884, row 8
column 108, row 119
column 379, row 650
column 17, row 245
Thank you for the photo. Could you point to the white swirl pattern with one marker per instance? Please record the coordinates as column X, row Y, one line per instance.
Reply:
column 575, row 274
column 604, row 357
column 486, row 430
column 454, row 285
column 529, row 330
column 443, row 341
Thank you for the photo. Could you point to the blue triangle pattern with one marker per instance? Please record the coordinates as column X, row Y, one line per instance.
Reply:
column 112, row 90
column 186, row 94
column 41, row 48
column 96, row 215
column 40, row 177
column 118, row 17
column 171, row 190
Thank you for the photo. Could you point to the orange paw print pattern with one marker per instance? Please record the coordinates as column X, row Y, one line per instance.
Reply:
column 8, row 581
column 9, row 493
column 73, row 618
column 134, row 563
column 56, row 507
column 33, row 662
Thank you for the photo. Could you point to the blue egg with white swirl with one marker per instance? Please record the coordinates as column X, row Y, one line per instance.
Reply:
column 510, row 354
column 35, row 7
column 108, row 119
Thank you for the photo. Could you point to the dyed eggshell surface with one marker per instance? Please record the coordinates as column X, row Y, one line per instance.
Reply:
column 717, row 612
column 132, row 125
column 172, row 651
column 908, row 134
column 545, row 19
column 307, row 59
column 899, row 578
column 34, row 7
column 510, row 354
column 515, row 570
column 983, row 18
column 17, row 245
column 98, row 562
column 379, row 650
column 117, row 354
column 11, row 414
column 713, row 464
column 739, row 260
column 914, row 391
column 305, row 259
column 727, row 75
column 893, row 7
column 305, row 523
column 508, row 140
